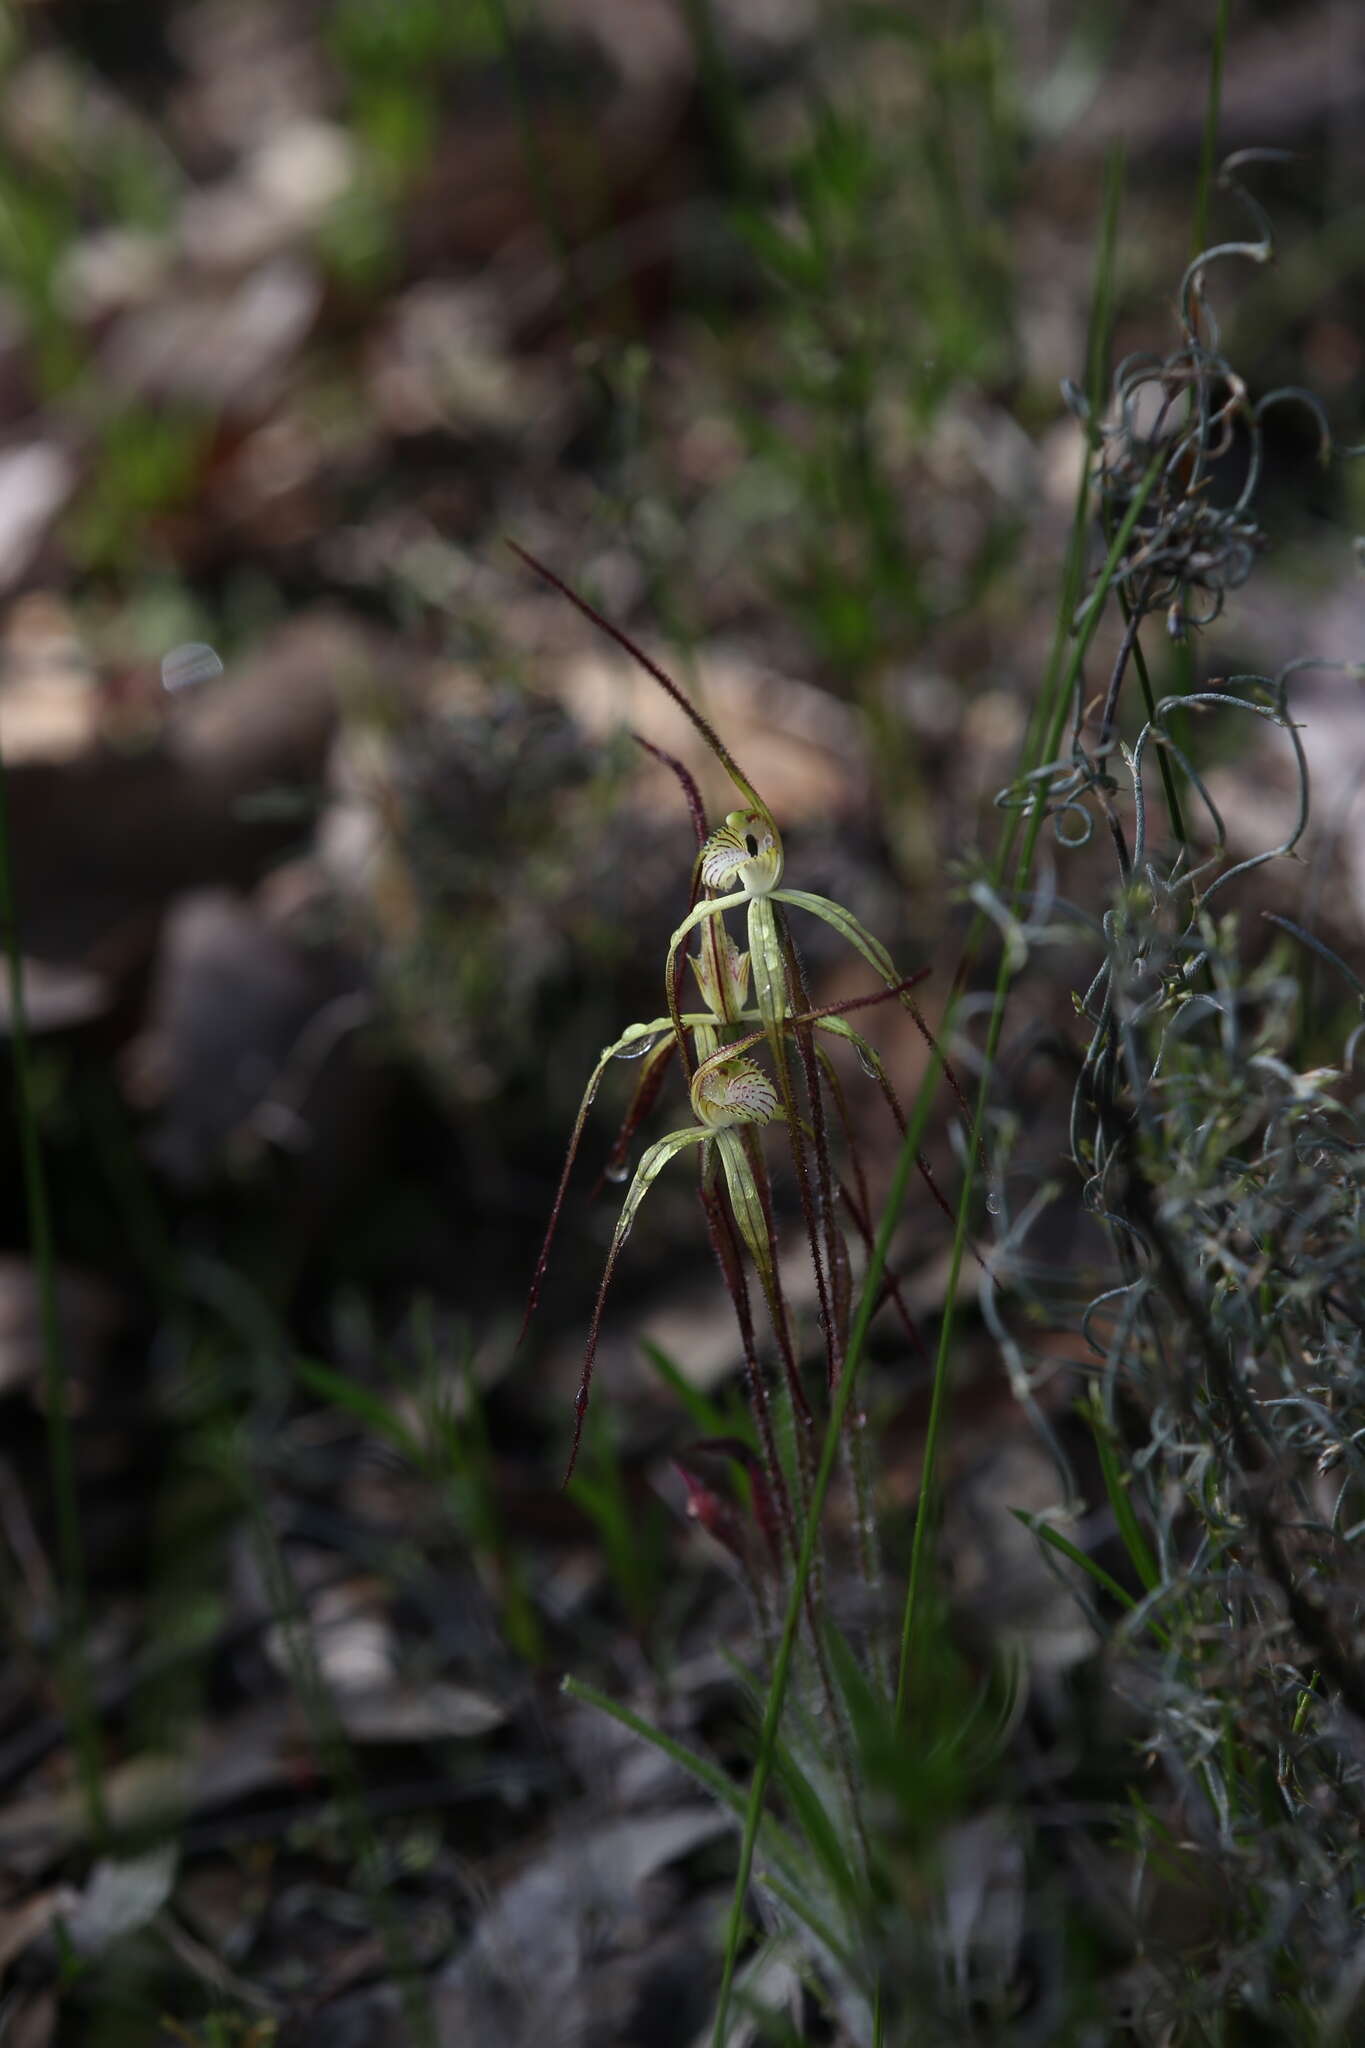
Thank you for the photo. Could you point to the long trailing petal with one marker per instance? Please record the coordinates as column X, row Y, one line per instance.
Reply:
column 646, row 1173
column 780, row 996
column 650, row 1076
column 816, row 1014
column 830, row 1074
column 845, row 923
column 721, row 1230
column 819, row 1215
column 636, row 1034
column 858, row 1203
column 876, row 955
column 686, row 781
column 651, row 668
column 870, row 1061
column 867, row 1053
column 772, row 1290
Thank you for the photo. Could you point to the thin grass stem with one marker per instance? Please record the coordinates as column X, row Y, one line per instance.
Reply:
column 72, row 1619
column 938, row 1400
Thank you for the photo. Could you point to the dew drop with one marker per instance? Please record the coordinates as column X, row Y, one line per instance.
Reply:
column 185, row 668
column 994, row 1204
column 616, row 1169
column 638, row 1047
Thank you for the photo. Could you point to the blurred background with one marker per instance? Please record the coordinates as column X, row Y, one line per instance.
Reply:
column 334, row 865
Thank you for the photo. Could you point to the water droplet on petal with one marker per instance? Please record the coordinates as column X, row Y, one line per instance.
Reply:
column 616, row 1169
column 184, row 668
column 638, row 1047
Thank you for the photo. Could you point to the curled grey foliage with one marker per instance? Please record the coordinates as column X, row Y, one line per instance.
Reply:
column 1228, row 1337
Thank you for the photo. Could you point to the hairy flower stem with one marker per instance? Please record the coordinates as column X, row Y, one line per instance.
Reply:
column 777, row 1003
column 804, row 1448
column 770, row 1279
column 869, row 1549
column 781, row 1672
column 798, row 998
column 725, row 1244
column 857, row 1450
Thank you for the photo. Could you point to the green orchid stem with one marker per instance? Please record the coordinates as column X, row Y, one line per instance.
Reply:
column 810, row 1536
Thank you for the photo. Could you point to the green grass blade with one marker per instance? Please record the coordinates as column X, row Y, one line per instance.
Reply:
column 1064, row 1547
column 629, row 1535
column 817, row 1825
column 1213, row 107
column 1134, row 1542
column 363, row 1404
column 778, row 1845
column 707, row 1415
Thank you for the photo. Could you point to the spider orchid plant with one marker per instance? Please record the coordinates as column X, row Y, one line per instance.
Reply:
column 734, row 1099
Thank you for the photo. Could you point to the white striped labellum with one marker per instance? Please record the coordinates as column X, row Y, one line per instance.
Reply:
column 728, row 1089
column 746, row 854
